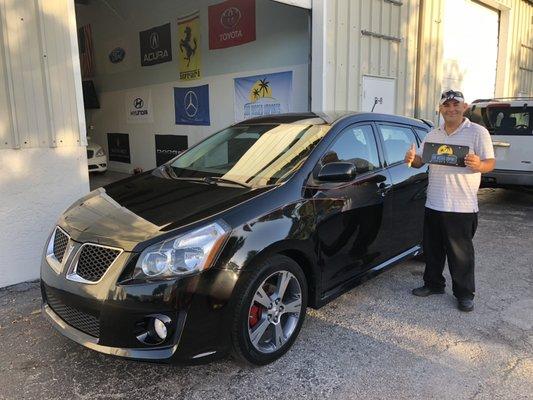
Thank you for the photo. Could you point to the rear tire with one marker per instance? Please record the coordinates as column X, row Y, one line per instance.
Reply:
column 270, row 310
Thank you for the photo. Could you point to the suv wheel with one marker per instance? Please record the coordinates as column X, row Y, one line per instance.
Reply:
column 270, row 310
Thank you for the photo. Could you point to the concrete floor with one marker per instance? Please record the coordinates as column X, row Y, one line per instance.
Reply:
column 375, row 342
column 96, row 180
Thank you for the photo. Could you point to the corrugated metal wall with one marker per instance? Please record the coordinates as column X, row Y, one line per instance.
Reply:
column 40, row 84
column 522, row 34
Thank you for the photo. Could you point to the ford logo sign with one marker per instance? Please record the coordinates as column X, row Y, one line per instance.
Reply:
column 117, row 55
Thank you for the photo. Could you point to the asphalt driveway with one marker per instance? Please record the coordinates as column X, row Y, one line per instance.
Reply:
column 375, row 342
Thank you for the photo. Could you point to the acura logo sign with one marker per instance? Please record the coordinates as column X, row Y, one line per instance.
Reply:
column 191, row 104
column 154, row 40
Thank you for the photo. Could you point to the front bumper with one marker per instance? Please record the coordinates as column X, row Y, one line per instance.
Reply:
column 109, row 317
column 97, row 164
column 500, row 177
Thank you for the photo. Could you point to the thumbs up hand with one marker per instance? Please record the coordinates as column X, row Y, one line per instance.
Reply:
column 410, row 155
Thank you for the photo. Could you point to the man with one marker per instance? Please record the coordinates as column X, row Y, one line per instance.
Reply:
column 451, row 207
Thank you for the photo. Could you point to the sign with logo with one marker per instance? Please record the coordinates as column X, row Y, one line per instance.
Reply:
column 191, row 105
column 155, row 45
column 168, row 146
column 189, row 46
column 231, row 23
column 139, row 106
column 262, row 95
column 117, row 55
column 444, row 154
column 118, row 145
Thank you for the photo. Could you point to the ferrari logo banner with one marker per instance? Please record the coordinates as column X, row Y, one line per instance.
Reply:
column 189, row 46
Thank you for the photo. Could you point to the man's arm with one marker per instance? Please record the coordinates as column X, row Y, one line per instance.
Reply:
column 413, row 159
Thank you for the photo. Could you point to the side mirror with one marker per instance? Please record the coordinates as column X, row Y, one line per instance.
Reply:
column 337, row 172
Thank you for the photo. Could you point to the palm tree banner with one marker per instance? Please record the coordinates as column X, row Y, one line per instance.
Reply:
column 263, row 95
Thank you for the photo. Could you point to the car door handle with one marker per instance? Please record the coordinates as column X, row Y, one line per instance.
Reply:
column 501, row 144
column 384, row 188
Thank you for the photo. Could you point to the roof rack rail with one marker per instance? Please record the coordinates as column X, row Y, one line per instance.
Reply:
column 503, row 98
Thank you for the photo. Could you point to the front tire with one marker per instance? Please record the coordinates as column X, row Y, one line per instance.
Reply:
column 270, row 310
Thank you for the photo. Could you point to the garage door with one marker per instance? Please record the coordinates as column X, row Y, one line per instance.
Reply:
column 470, row 48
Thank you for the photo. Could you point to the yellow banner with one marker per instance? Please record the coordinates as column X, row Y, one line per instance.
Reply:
column 189, row 47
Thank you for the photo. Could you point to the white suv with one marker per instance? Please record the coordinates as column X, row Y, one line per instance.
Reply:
column 510, row 123
column 96, row 158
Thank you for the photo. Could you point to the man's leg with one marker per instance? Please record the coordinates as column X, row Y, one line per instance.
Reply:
column 434, row 251
column 459, row 232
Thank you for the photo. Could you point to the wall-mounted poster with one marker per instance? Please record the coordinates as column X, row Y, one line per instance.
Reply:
column 118, row 145
column 231, row 23
column 139, row 106
column 189, row 46
column 168, row 146
column 262, row 95
column 191, row 105
column 155, row 45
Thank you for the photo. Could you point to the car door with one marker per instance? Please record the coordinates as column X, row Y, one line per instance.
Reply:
column 409, row 186
column 352, row 217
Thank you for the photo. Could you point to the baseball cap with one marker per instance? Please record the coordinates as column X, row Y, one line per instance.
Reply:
column 452, row 95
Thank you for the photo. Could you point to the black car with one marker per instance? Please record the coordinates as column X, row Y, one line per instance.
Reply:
column 222, row 249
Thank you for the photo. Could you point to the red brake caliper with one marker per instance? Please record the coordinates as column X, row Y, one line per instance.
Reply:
column 255, row 315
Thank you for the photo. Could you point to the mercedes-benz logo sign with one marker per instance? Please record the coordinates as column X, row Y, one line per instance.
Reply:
column 154, row 40
column 191, row 104
column 138, row 103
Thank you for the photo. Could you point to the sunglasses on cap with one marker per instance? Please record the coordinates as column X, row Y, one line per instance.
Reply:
column 452, row 95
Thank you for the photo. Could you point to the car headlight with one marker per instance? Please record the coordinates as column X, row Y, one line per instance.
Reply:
column 100, row 153
column 182, row 255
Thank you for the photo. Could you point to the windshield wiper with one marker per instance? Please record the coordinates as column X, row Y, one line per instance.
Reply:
column 214, row 179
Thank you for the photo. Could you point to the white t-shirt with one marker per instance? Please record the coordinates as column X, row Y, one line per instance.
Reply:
column 454, row 189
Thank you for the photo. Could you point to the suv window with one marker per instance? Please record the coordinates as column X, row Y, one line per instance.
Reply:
column 356, row 144
column 422, row 133
column 505, row 120
column 396, row 140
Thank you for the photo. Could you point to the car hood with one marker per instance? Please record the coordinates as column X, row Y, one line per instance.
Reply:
column 145, row 206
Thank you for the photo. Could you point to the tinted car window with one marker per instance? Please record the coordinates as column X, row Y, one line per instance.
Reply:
column 396, row 140
column 504, row 120
column 422, row 133
column 356, row 144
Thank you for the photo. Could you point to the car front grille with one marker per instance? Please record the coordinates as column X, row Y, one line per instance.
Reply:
column 77, row 319
column 60, row 244
column 90, row 153
column 94, row 261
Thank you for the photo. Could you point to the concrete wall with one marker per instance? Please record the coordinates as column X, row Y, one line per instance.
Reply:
column 282, row 44
column 43, row 164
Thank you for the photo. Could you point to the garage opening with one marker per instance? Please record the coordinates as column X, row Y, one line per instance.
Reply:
column 161, row 76
column 470, row 48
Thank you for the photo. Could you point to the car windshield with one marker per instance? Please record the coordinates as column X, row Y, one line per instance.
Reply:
column 505, row 120
column 253, row 155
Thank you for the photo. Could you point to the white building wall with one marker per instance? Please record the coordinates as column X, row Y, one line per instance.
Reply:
column 43, row 164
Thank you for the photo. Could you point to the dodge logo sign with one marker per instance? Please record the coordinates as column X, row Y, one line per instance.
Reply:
column 191, row 104
column 138, row 103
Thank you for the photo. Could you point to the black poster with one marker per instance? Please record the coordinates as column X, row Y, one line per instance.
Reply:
column 155, row 45
column 168, row 147
column 119, row 147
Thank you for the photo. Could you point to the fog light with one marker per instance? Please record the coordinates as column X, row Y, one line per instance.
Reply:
column 160, row 328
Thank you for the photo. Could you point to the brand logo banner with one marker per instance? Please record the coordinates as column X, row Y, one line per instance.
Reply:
column 189, row 46
column 262, row 95
column 231, row 23
column 191, row 105
column 118, row 145
column 168, row 146
column 139, row 106
column 155, row 45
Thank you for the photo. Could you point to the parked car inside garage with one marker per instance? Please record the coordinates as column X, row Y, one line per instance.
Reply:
column 510, row 124
column 96, row 158
column 221, row 249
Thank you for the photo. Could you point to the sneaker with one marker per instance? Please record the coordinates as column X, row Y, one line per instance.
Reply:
column 425, row 291
column 465, row 304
